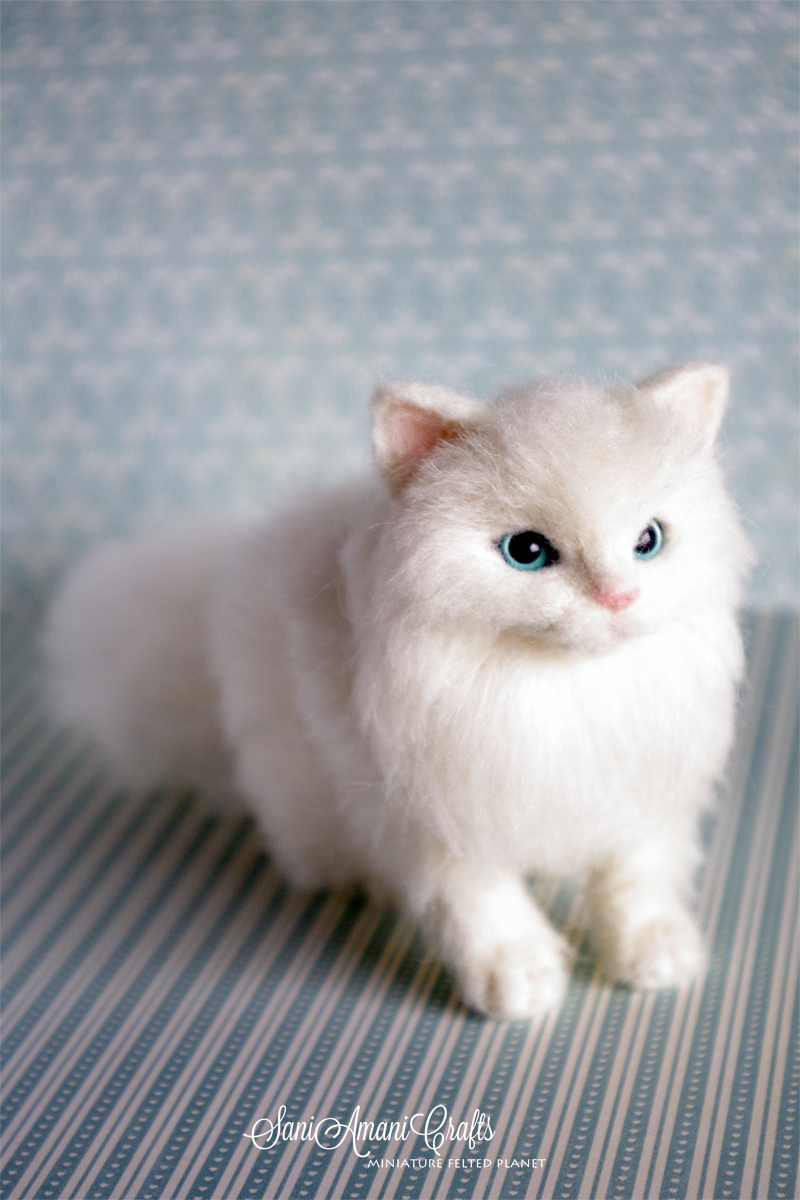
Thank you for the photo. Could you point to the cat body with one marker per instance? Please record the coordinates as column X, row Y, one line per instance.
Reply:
column 513, row 653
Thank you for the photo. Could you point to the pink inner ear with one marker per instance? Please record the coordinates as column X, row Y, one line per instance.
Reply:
column 415, row 433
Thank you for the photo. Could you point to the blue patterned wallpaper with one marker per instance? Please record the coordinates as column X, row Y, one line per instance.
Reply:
column 223, row 222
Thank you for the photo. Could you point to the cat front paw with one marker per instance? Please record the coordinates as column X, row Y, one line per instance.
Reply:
column 664, row 951
column 516, row 980
column 508, row 959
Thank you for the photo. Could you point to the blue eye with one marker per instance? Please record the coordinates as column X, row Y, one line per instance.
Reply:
column 528, row 551
column 650, row 541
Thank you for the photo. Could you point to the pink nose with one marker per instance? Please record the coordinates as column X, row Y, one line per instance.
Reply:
column 616, row 601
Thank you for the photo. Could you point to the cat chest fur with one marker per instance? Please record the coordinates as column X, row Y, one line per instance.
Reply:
column 548, row 760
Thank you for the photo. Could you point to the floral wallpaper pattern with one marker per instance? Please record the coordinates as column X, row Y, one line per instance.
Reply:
column 224, row 222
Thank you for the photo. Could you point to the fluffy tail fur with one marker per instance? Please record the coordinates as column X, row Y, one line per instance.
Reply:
column 127, row 645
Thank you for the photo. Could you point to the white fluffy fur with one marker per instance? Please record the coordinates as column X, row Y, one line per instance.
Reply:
column 399, row 705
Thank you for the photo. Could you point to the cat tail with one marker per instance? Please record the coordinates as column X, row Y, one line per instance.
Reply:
column 126, row 643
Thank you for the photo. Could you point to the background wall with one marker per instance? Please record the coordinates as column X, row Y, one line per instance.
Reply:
column 223, row 222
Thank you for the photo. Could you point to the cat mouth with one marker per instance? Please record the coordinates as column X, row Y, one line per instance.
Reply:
column 591, row 636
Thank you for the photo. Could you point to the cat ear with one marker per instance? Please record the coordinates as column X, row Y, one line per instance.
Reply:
column 697, row 392
column 409, row 420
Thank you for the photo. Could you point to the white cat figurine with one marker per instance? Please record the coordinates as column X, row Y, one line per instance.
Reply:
column 514, row 653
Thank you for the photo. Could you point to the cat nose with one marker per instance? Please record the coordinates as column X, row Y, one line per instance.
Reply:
column 615, row 600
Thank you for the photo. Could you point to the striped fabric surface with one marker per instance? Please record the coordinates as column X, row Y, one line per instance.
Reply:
column 178, row 1024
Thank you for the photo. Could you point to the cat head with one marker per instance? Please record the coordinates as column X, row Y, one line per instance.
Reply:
column 568, row 512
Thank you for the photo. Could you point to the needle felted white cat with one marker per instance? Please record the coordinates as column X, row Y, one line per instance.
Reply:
column 514, row 653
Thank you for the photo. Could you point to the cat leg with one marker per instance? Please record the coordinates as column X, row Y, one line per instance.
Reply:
column 641, row 927
column 277, row 767
column 295, row 806
column 508, row 959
